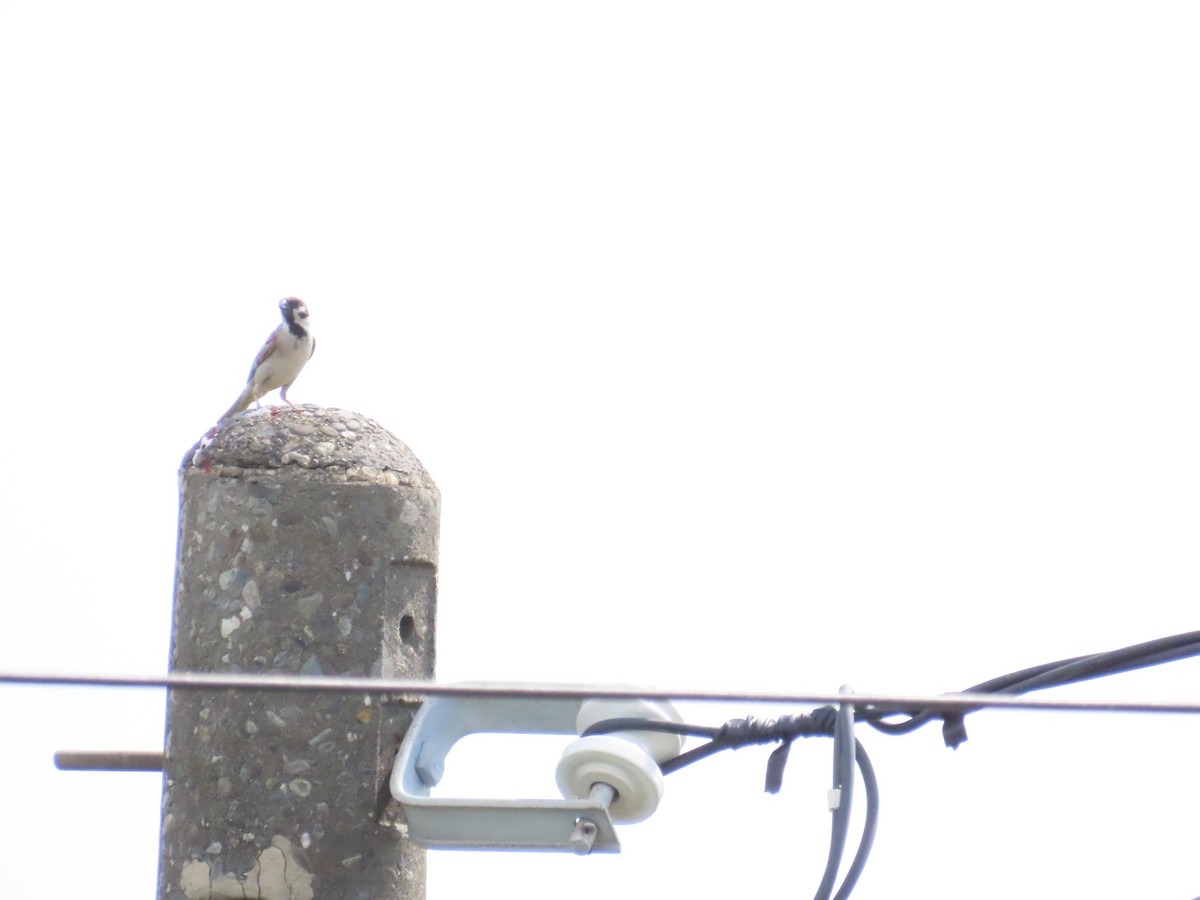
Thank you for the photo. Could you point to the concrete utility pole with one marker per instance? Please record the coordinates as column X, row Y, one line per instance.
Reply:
column 307, row 544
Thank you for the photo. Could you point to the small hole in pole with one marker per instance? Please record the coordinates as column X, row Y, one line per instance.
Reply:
column 408, row 630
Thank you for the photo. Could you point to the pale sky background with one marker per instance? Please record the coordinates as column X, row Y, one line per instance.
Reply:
column 764, row 345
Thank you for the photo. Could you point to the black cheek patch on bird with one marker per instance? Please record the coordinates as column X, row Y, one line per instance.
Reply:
column 289, row 316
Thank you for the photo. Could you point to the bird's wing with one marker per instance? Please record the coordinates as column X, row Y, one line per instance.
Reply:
column 314, row 348
column 265, row 353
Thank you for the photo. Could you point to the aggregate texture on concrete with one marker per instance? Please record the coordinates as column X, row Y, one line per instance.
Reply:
column 307, row 545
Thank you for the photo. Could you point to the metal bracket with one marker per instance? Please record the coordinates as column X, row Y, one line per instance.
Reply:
column 487, row 824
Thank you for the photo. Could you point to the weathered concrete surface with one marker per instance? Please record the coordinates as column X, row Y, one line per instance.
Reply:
column 307, row 544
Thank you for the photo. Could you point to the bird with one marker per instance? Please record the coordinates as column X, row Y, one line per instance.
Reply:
column 281, row 358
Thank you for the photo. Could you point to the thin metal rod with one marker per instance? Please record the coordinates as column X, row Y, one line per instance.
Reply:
column 109, row 760
column 411, row 690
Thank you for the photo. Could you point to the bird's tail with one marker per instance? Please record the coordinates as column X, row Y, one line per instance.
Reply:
column 242, row 402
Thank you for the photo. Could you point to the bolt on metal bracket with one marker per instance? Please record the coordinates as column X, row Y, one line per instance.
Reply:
column 490, row 824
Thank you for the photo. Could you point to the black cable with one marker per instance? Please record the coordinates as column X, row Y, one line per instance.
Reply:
column 1047, row 675
column 865, row 842
column 733, row 734
column 843, row 782
column 691, row 756
column 822, row 722
column 633, row 723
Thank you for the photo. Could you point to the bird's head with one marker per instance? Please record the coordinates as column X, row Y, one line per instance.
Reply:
column 294, row 311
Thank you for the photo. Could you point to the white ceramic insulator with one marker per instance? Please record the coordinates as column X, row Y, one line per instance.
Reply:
column 625, row 760
column 659, row 745
column 626, row 767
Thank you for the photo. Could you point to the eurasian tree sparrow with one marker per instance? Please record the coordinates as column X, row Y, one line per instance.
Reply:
column 280, row 359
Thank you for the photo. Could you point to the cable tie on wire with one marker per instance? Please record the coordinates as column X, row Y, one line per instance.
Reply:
column 826, row 719
column 742, row 732
column 822, row 721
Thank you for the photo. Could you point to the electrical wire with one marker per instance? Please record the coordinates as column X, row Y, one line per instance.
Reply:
column 867, row 840
column 826, row 721
column 875, row 706
column 843, row 784
column 877, row 710
column 1036, row 678
column 838, row 723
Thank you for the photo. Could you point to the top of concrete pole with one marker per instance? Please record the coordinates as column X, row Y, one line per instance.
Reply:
column 333, row 444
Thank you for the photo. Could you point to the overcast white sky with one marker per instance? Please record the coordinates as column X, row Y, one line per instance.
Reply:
column 762, row 345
